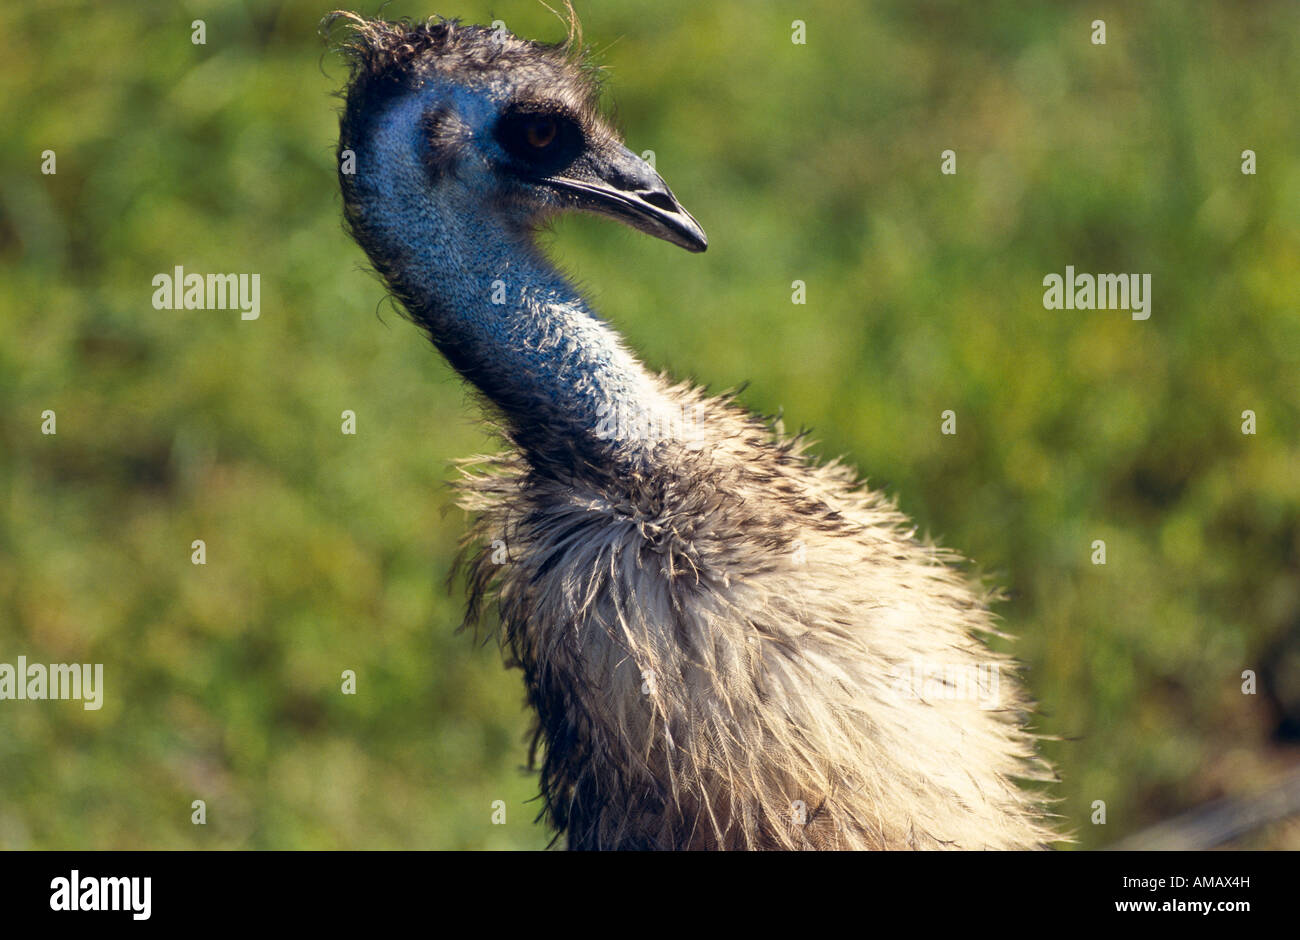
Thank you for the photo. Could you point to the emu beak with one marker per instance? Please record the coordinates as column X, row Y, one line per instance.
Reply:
column 615, row 182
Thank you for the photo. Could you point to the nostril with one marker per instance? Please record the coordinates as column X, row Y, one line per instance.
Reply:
column 660, row 201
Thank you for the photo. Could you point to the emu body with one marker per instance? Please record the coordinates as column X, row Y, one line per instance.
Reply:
column 715, row 630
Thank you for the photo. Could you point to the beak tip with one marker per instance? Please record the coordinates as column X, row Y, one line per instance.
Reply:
column 694, row 240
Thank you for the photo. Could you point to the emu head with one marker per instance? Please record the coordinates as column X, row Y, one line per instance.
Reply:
column 474, row 127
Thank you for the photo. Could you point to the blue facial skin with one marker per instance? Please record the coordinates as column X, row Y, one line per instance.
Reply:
column 459, row 252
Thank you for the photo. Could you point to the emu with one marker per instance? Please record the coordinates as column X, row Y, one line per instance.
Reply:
column 727, row 644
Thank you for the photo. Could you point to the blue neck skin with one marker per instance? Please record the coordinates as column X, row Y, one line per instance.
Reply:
column 503, row 317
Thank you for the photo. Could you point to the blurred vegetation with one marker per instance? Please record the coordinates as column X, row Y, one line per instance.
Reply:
column 817, row 162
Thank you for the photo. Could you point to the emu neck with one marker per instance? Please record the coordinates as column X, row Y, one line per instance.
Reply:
column 504, row 318
column 517, row 330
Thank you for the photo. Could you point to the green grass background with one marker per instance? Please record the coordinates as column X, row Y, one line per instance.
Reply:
column 817, row 162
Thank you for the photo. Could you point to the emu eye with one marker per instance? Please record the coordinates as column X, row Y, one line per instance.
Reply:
column 539, row 141
column 541, row 132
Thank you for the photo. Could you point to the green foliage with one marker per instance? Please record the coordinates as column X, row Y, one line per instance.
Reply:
column 816, row 162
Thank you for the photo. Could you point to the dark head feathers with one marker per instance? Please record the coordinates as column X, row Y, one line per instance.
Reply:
column 392, row 56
